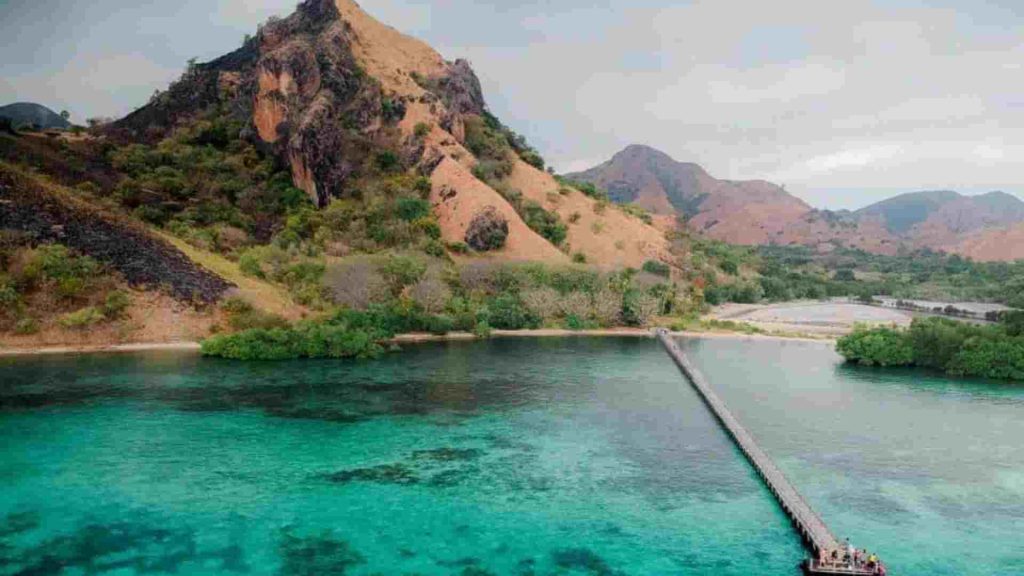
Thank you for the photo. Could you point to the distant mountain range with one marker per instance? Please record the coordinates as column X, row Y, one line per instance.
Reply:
column 31, row 114
column 985, row 227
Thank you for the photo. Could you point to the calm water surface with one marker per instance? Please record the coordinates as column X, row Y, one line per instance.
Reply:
column 549, row 456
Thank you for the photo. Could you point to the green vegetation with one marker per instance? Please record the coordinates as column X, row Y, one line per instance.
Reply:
column 586, row 188
column 488, row 139
column 957, row 348
column 206, row 185
column 495, row 151
column 748, row 274
column 375, row 297
column 637, row 212
column 545, row 223
column 50, row 284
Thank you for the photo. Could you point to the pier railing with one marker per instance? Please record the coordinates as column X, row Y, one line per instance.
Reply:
column 811, row 527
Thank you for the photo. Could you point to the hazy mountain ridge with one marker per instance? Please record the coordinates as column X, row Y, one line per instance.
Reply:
column 759, row 212
column 25, row 114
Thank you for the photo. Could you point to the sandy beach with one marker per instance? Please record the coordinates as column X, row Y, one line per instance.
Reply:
column 414, row 338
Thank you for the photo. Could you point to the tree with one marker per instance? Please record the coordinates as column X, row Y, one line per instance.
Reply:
column 487, row 231
column 845, row 275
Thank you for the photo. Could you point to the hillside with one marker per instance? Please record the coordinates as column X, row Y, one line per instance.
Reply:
column 28, row 114
column 329, row 165
column 337, row 96
column 758, row 212
column 741, row 212
column 988, row 245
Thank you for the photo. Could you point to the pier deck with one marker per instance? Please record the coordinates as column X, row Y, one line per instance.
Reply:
column 812, row 529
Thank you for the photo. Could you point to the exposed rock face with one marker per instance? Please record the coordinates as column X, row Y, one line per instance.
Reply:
column 329, row 89
column 142, row 259
column 487, row 231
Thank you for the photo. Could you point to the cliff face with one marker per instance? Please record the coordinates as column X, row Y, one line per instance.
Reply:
column 333, row 92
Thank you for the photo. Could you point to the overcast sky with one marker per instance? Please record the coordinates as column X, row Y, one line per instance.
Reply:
column 843, row 102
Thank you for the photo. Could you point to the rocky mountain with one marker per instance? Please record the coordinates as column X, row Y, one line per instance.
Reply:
column 30, row 114
column 913, row 212
column 336, row 95
column 758, row 212
column 742, row 212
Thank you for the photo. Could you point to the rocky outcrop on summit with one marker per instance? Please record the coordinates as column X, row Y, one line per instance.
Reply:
column 338, row 96
column 306, row 86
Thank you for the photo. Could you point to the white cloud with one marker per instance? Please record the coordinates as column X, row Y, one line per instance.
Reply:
column 779, row 84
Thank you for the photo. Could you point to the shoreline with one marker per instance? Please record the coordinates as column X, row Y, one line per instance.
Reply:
column 414, row 338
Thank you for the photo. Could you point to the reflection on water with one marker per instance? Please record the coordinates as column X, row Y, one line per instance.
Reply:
column 561, row 456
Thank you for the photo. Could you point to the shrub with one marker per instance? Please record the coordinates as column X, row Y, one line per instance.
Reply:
column 421, row 130
column 82, row 319
column 115, row 304
column 494, row 170
column 575, row 305
column 990, row 358
column 607, row 307
column 639, row 309
column 532, row 158
column 579, row 258
column 244, row 316
column 410, row 209
column 657, row 268
column 347, row 335
column 542, row 302
column 574, row 217
column 431, row 293
column 1013, row 321
column 263, row 261
column 637, row 212
column 10, row 298
column 545, row 223
column 487, row 231
column 440, row 324
column 356, row 283
column 429, row 226
column 55, row 262
column 877, row 347
column 458, row 247
column 387, row 161
column 26, row 326
column 506, row 312
column 485, row 140
column 434, row 248
column 586, row 188
column 401, row 271
column 844, row 275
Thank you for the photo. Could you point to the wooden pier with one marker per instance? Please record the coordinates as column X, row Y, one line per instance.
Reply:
column 807, row 522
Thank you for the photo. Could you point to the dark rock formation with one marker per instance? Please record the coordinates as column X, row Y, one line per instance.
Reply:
column 487, row 231
column 143, row 260
column 300, row 90
column 228, row 80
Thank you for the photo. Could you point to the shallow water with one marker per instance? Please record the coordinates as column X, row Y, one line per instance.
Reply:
column 547, row 456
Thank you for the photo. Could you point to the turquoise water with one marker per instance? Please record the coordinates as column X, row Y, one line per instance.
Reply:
column 549, row 456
